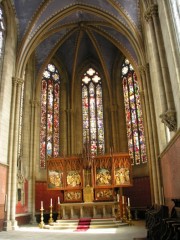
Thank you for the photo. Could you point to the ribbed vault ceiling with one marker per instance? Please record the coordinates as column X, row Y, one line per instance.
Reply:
column 75, row 31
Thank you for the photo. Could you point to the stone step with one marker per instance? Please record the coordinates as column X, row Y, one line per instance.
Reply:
column 95, row 223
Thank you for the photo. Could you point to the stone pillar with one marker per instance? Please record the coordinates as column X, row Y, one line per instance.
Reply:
column 168, row 117
column 32, row 157
column 148, row 17
column 113, row 111
column 63, row 123
column 151, row 134
column 8, row 223
column 12, row 189
column 70, row 131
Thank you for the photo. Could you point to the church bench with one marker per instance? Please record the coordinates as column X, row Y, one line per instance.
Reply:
column 153, row 219
column 166, row 228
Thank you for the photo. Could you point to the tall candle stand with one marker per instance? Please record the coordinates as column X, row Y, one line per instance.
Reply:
column 118, row 212
column 51, row 219
column 41, row 224
column 129, row 215
column 124, row 218
column 59, row 211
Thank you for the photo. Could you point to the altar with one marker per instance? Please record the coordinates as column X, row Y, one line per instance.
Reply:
column 88, row 210
column 89, row 180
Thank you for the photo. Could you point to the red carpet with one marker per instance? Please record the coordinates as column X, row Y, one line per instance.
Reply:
column 83, row 225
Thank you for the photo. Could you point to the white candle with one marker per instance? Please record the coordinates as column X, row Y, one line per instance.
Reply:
column 51, row 202
column 58, row 200
column 117, row 197
column 41, row 204
column 122, row 199
column 128, row 202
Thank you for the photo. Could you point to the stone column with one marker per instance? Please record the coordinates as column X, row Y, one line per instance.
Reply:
column 168, row 117
column 63, row 123
column 70, row 130
column 32, row 170
column 113, row 110
column 17, row 87
column 151, row 134
column 148, row 17
column 8, row 224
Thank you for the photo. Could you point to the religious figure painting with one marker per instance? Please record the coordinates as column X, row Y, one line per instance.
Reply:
column 122, row 176
column 73, row 196
column 104, row 194
column 103, row 176
column 55, row 179
column 73, row 179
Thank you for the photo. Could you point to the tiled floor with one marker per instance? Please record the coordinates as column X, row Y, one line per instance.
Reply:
column 137, row 230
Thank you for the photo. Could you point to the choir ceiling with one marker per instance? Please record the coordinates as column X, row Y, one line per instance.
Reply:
column 75, row 31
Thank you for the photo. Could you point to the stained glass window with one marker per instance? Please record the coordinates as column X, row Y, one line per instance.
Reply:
column 92, row 111
column 134, row 119
column 50, row 117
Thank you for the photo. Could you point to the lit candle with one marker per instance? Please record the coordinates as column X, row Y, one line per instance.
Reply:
column 128, row 202
column 58, row 200
column 51, row 202
column 122, row 199
column 117, row 197
column 41, row 204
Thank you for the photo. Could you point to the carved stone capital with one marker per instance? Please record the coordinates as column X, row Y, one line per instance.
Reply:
column 18, row 81
column 169, row 119
column 154, row 10
column 151, row 11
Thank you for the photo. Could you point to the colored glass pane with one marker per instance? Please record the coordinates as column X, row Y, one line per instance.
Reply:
column 134, row 120
column 92, row 111
column 50, row 101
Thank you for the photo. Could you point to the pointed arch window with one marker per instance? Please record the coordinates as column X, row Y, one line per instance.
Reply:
column 133, row 111
column 92, row 111
column 50, row 117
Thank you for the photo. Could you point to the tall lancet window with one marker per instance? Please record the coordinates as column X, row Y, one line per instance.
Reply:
column 50, row 117
column 134, row 119
column 92, row 112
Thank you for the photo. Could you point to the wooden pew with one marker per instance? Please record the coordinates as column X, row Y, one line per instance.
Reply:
column 153, row 220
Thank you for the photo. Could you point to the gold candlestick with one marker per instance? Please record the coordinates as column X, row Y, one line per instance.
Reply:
column 59, row 211
column 50, row 218
column 124, row 218
column 118, row 212
column 129, row 215
column 41, row 224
